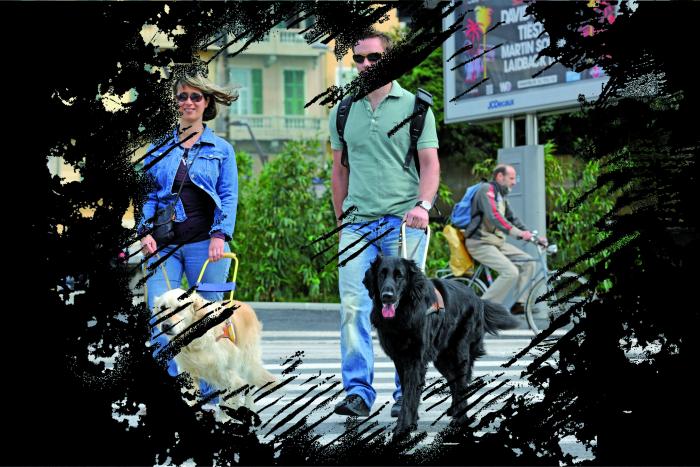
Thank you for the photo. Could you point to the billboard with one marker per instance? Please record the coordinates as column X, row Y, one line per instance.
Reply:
column 491, row 75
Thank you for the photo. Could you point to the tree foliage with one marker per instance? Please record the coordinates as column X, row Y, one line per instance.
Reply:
column 279, row 213
column 469, row 142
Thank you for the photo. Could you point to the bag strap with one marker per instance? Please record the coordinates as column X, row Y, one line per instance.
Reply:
column 424, row 100
column 476, row 213
column 341, row 119
column 182, row 183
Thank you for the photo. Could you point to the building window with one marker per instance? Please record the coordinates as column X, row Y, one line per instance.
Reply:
column 249, row 100
column 294, row 92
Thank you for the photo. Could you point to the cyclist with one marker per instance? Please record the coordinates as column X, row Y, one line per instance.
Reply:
column 486, row 238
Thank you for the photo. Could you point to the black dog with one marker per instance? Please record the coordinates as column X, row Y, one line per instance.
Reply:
column 414, row 330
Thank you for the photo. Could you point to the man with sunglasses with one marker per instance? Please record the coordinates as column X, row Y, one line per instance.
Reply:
column 383, row 194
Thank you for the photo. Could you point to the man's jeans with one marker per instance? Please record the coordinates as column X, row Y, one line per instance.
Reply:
column 188, row 259
column 357, row 356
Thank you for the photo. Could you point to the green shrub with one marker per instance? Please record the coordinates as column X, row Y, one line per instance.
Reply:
column 571, row 219
column 438, row 250
column 279, row 213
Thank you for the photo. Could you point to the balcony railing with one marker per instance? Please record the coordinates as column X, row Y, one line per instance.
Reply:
column 291, row 36
column 278, row 42
column 279, row 127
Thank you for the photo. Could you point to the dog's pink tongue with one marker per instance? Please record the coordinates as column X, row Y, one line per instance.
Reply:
column 388, row 311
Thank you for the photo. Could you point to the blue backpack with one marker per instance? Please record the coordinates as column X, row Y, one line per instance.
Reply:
column 462, row 212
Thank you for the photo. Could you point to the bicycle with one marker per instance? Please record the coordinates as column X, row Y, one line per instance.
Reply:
column 472, row 281
column 566, row 291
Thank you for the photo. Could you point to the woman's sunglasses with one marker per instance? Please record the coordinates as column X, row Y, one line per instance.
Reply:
column 373, row 57
column 194, row 97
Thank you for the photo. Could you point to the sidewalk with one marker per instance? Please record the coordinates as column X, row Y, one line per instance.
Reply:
column 295, row 306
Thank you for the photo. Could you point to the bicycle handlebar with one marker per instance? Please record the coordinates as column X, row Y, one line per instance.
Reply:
column 534, row 239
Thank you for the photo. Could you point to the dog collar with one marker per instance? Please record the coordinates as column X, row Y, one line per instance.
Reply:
column 438, row 306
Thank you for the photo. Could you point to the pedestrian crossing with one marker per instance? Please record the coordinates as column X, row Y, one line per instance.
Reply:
column 307, row 365
column 309, row 384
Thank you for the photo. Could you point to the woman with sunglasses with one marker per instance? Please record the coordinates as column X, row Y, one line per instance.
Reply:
column 201, row 167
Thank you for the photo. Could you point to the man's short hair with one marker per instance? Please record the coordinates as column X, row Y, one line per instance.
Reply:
column 387, row 43
column 501, row 169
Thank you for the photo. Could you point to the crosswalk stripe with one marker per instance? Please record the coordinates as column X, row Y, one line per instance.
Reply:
column 377, row 364
column 304, row 334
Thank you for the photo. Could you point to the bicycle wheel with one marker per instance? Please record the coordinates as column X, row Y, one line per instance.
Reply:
column 477, row 285
column 540, row 313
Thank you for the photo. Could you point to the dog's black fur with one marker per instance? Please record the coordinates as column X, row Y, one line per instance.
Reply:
column 452, row 339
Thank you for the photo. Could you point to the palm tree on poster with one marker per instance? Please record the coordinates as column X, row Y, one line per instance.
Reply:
column 472, row 31
column 483, row 19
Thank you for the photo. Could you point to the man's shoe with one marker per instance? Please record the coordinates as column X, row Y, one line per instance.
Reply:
column 396, row 408
column 517, row 309
column 352, row 405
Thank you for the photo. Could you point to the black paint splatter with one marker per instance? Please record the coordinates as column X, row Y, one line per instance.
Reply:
column 60, row 404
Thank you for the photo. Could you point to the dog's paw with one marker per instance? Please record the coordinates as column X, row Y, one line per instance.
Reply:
column 456, row 412
column 459, row 422
column 189, row 393
column 243, row 415
column 404, row 431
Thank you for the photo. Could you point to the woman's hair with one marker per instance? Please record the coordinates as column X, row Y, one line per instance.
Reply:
column 210, row 90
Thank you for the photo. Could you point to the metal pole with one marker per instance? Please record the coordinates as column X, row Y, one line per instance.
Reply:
column 221, row 72
column 508, row 132
column 261, row 154
column 531, row 136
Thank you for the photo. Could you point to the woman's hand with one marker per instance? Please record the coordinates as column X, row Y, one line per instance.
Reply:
column 148, row 245
column 216, row 249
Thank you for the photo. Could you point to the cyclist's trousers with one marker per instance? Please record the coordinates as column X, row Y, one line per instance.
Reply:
column 509, row 274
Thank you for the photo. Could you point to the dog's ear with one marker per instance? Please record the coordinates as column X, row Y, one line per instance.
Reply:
column 419, row 283
column 199, row 307
column 157, row 304
column 370, row 280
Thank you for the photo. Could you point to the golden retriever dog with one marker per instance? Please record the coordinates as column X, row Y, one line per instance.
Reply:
column 228, row 355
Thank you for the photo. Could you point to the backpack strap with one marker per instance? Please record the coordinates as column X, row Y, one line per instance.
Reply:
column 341, row 118
column 423, row 102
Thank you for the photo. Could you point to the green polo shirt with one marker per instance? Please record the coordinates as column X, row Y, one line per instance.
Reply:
column 378, row 184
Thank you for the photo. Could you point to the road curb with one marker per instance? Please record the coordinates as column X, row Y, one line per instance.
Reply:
column 286, row 306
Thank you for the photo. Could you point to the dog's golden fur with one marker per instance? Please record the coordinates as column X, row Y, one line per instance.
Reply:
column 213, row 356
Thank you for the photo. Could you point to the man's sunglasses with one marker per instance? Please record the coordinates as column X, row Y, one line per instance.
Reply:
column 194, row 97
column 373, row 57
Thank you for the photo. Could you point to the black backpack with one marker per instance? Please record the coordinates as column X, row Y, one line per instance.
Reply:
column 423, row 101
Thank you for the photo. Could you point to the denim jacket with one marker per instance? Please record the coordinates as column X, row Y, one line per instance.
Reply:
column 214, row 170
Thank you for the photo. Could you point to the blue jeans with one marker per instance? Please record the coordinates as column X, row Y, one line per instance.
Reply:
column 357, row 356
column 188, row 259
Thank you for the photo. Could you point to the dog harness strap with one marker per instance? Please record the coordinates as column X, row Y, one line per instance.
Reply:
column 439, row 304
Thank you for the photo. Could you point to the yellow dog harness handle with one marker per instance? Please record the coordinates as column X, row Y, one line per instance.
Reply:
column 235, row 274
column 228, row 332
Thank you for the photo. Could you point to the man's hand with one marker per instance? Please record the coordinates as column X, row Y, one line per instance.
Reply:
column 526, row 235
column 148, row 245
column 216, row 249
column 416, row 218
column 542, row 241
